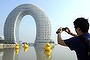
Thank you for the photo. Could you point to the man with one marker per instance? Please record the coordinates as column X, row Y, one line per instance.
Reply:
column 81, row 26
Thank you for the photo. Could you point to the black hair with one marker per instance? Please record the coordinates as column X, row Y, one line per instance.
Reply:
column 82, row 23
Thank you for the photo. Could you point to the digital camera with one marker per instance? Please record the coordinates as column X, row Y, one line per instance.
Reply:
column 64, row 29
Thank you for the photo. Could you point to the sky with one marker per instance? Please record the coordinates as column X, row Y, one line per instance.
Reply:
column 61, row 13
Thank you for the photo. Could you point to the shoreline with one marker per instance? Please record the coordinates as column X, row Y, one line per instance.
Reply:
column 7, row 46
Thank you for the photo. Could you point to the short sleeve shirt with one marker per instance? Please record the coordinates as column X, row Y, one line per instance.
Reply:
column 78, row 46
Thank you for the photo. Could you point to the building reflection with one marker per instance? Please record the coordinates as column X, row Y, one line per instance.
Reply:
column 12, row 53
column 1, row 52
column 9, row 54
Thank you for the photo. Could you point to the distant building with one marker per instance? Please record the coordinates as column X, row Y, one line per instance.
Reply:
column 2, row 40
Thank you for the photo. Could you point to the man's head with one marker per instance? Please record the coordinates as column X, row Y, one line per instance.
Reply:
column 81, row 23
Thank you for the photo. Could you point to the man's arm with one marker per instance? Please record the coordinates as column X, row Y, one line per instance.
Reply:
column 59, row 40
column 69, row 32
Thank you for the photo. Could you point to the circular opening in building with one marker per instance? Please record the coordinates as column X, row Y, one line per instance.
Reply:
column 27, row 30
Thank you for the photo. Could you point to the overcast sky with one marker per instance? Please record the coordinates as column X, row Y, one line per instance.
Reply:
column 61, row 13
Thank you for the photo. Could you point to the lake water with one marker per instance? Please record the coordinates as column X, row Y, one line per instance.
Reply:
column 37, row 53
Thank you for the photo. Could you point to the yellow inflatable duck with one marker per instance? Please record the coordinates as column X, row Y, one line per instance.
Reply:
column 16, row 46
column 48, row 53
column 25, row 49
column 47, row 47
column 25, row 45
column 17, row 51
column 48, row 50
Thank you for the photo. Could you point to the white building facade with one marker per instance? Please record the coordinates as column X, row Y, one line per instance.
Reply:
column 43, row 25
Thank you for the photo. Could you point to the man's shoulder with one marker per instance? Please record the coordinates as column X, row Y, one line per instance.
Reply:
column 73, row 39
column 87, row 34
column 76, row 37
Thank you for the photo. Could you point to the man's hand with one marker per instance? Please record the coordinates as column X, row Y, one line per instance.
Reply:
column 68, row 30
column 59, row 30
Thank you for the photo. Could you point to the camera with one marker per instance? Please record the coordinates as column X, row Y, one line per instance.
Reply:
column 61, row 29
column 64, row 29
